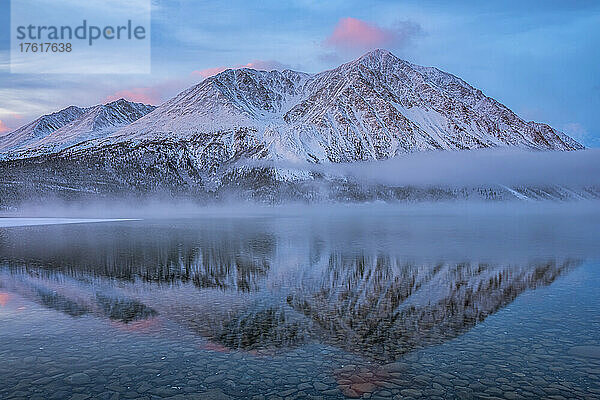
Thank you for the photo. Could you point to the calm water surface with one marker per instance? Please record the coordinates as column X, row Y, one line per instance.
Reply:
column 391, row 304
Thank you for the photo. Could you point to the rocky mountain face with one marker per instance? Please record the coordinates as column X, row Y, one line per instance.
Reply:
column 232, row 128
column 73, row 125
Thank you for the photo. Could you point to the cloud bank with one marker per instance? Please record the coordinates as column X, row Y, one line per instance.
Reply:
column 155, row 94
column 3, row 127
column 471, row 168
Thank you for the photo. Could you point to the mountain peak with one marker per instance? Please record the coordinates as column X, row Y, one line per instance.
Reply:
column 377, row 54
column 117, row 102
column 376, row 60
column 124, row 102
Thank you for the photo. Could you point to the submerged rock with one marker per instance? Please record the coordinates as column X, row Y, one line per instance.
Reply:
column 78, row 379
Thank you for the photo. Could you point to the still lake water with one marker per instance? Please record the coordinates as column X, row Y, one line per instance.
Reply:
column 384, row 303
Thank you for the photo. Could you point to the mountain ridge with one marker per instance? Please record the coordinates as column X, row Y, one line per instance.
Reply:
column 235, row 130
column 406, row 108
column 375, row 107
column 40, row 127
column 70, row 126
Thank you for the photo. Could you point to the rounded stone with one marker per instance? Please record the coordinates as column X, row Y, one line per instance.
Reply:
column 411, row 393
column 363, row 387
column 510, row 395
column 78, row 379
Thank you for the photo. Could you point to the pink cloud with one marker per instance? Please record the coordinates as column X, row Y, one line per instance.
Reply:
column 158, row 93
column 208, row 72
column 153, row 94
column 351, row 34
column 264, row 65
column 3, row 127
column 10, row 122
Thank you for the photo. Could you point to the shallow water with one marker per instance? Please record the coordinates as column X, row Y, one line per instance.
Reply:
column 443, row 303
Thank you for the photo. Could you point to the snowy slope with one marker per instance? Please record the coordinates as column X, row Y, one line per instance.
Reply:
column 39, row 128
column 80, row 124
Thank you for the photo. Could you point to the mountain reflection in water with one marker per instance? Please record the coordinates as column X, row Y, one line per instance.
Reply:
column 256, row 287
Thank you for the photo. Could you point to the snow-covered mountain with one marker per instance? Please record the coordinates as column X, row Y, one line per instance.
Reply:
column 258, row 128
column 373, row 108
column 40, row 128
column 73, row 125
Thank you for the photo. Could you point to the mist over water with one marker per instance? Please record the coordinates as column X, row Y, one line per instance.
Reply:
column 492, row 175
column 237, row 296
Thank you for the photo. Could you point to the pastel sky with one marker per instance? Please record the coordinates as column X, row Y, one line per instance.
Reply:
column 539, row 58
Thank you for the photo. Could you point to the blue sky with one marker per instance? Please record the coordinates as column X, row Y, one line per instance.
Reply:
column 541, row 59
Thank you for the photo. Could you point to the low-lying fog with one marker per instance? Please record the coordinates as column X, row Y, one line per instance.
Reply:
column 498, row 167
column 474, row 167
